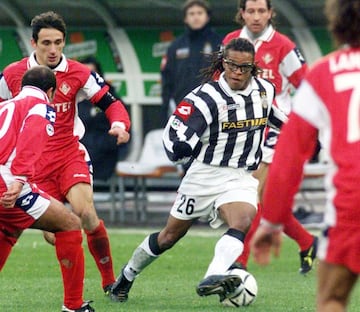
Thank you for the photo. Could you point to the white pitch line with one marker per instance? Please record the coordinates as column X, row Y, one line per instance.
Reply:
column 194, row 231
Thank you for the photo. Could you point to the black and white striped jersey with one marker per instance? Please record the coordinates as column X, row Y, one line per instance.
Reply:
column 224, row 127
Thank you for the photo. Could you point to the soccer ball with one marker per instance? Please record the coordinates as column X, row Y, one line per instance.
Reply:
column 246, row 292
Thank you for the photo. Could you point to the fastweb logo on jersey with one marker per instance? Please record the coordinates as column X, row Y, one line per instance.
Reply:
column 243, row 125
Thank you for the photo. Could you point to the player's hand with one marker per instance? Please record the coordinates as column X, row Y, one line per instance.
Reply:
column 122, row 135
column 8, row 198
column 264, row 242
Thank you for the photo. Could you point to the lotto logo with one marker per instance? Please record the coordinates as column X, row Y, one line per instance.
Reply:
column 26, row 201
column 184, row 110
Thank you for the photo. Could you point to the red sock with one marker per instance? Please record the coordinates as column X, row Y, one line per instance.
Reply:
column 244, row 257
column 99, row 246
column 70, row 255
column 6, row 244
column 297, row 232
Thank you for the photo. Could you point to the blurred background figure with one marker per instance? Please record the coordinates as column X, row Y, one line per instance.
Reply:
column 103, row 150
column 282, row 64
column 187, row 55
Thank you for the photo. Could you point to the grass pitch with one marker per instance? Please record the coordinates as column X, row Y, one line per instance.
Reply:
column 31, row 280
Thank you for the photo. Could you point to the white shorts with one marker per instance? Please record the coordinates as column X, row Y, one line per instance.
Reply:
column 205, row 188
column 31, row 201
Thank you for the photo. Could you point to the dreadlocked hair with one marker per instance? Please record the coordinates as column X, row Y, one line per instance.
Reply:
column 216, row 65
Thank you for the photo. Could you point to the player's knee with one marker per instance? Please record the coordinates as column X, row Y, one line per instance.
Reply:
column 73, row 223
column 49, row 237
column 89, row 219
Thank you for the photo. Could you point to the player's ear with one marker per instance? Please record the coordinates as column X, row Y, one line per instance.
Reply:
column 50, row 93
column 33, row 43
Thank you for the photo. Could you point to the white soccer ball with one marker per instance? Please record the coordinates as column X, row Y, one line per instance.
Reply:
column 246, row 292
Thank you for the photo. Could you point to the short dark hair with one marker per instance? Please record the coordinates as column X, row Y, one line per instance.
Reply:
column 202, row 3
column 242, row 6
column 48, row 19
column 39, row 76
column 344, row 21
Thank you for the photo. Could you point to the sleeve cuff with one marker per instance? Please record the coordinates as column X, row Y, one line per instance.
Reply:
column 21, row 179
column 118, row 124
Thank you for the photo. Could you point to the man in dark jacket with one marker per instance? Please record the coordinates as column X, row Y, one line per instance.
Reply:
column 187, row 55
column 102, row 148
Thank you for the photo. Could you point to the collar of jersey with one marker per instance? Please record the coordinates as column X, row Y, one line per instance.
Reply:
column 225, row 87
column 34, row 92
column 62, row 67
column 266, row 36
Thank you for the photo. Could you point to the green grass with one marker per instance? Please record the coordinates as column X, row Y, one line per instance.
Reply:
column 30, row 281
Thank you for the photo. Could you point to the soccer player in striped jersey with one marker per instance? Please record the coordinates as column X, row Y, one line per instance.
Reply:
column 283, row 65
column 221, row 125
column 327, row 100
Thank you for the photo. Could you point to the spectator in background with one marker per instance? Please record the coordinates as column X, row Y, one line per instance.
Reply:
column 103, row 150
column 186, row 56
column 282, row 64
column 327, row 100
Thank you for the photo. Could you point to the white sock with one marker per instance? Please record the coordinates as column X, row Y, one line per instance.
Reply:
column 227, row 250
column 139, row 260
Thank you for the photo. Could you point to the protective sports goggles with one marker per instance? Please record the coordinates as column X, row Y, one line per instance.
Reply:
column 244, row 68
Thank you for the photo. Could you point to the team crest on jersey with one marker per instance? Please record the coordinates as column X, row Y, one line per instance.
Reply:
column 64, row 88
column 184, row 110
column 264, row 101
column 267, row 58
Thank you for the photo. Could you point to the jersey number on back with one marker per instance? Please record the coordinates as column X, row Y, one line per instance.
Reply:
column 6, row 114
column 351, row 81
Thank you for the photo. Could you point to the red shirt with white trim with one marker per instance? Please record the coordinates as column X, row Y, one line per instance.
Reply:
column 26, row 124
column 328, row 100
column 74, row 83
column 280, row 59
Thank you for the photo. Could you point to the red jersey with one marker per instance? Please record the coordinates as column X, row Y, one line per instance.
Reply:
column 74, row 83
column 26, row 124
column 280, row 59
column 328, row 101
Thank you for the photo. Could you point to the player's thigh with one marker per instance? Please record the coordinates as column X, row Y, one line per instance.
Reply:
column 335, row 282
column 57, row 218
column 190, row 207
column 261, row 174
column 238, row 215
